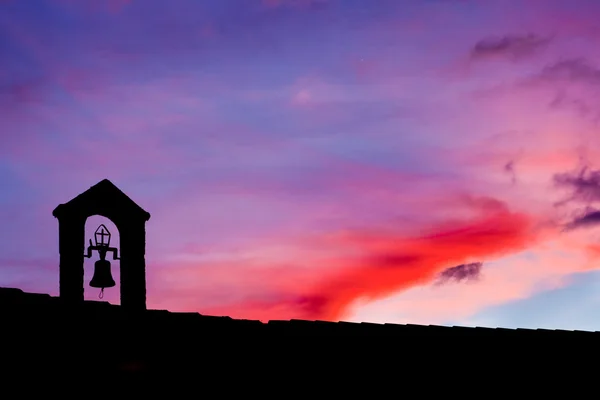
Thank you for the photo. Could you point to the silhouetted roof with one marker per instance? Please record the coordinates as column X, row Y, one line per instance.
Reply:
column 103, row 191
column 43, row 336
column 22, row 303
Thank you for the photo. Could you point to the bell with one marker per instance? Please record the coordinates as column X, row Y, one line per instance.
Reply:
column 102, row 277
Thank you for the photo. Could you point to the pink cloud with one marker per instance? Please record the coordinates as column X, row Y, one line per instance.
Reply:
column 544, row 266
column 381, row 265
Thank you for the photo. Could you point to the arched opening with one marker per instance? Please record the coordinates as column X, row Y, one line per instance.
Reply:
column 111, row 295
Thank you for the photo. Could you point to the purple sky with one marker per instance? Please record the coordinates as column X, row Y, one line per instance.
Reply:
column 418, row 161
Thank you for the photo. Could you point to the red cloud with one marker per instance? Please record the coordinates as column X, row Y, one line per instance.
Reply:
column 388, row 264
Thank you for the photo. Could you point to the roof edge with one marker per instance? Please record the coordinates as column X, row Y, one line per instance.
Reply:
column 104, row 184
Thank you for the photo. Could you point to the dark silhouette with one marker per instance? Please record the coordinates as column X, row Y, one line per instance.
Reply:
column 587, row 218
column 459, row 273
column 107, row 200
column 66, row 336
column 513, row 47
column 102, row 277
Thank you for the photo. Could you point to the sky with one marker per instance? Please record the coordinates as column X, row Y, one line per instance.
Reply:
column 418, row 161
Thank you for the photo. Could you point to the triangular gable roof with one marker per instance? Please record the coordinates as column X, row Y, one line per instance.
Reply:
column 105, row 191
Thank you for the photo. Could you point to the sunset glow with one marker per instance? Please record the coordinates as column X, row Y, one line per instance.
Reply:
column 418, row 161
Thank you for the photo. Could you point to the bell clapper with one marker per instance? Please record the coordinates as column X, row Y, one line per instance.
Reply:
column 101, row 295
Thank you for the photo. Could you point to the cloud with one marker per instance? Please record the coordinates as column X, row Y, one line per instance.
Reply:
column 385, row 264
column 562, row 100
column 513, row 47
column 572, row 70
column 460, row 273
column 583, row 184
column 590, row 217
column 574, row 82
column 543, row 266
column 509, row 168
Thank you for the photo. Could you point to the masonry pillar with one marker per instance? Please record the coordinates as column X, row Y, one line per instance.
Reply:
column 71, row 239
column 133, row 265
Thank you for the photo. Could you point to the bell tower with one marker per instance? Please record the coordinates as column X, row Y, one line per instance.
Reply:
column 108, row 201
